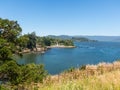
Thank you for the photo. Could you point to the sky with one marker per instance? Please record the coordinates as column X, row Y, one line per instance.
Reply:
column 64, row 17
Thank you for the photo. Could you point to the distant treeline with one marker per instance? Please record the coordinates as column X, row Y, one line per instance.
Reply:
column 73, row 38
column 82, row 39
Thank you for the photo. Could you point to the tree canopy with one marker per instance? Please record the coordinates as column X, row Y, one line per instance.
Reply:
column 9, row 30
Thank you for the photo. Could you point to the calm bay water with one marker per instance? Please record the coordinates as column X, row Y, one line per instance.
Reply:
column 57, row 60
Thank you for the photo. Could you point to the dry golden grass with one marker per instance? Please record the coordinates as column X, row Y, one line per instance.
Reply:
column 106, row 81
column 104, row 76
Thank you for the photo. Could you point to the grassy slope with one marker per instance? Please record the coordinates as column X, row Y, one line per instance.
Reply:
column 107, row 81
column 106, row 78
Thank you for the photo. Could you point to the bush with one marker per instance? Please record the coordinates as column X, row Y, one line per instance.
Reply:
column 11, row 71
column 5, row 54
column 33, row 73
column 18, row 74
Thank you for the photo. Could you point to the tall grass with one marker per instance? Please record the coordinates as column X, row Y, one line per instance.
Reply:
column 106, row 81
column 104, row 76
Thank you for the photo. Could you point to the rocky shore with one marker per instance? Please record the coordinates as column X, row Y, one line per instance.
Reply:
column 43, row 49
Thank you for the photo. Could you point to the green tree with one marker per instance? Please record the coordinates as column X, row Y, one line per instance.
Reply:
column 23, row 41
column 12, row 71
column 33, row 73
column 9, row 30
column 5, row 50
column 19, row 74
column 40, row 41
column 5, row 54
column 32, row 41
column 46, row 41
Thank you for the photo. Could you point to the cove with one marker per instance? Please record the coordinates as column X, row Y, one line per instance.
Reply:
column 56, row 60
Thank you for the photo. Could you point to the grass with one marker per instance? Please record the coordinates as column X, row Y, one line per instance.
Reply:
column 106, row 81
column 104, row 76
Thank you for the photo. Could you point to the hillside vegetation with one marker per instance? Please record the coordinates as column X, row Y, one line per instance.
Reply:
column 104, row 76
column 73, row 38
column 106, row 81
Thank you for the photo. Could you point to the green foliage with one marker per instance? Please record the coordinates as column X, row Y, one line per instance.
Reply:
column 27, row 41
column 47, row 41
column 33, row 73
column 10, row 30
column 9, row 33
column 66, row 42
column 23, row 41
column 17, row 74
column 12, row 70
column 9, row 45
column 40, row 42
column 32, row 41
column 5, row 53
column 5, row 50
column 82, row 39
column 2, row 42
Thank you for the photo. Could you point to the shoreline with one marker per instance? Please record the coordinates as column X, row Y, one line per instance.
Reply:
column 93, row 69
column 43, row 49
column 60, row 46
column 35, row 50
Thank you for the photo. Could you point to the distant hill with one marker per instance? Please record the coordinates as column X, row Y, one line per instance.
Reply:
column 74, row 38
column 82, row 39
column 105, row 38
column 60, row 36
column 98, row 38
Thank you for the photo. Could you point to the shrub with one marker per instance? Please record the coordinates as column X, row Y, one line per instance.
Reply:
column 33, row 73
column 11, row 71
column 18, row 74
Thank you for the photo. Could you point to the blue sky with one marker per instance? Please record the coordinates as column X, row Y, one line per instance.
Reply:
column 64, row 17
